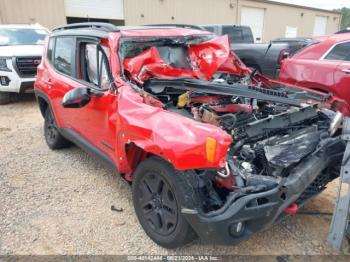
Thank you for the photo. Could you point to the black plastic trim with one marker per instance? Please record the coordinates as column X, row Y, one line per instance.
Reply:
column 76, row 138
column 72, row 136
column 260, row 210
column 40, row 94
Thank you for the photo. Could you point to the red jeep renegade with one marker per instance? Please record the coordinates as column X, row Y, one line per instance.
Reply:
column 211, row 149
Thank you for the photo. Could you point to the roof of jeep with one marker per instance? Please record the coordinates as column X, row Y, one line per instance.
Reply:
column 102, row 30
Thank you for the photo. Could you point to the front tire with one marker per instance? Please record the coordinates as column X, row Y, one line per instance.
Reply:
column 156, row 202
column 52, row 136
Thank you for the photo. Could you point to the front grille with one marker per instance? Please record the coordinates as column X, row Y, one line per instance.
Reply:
column 27, row 66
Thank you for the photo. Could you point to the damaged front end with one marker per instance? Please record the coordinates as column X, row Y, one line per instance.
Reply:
column 286, row 144
column 270, row 176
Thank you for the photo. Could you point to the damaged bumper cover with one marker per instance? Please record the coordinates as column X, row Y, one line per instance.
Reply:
column 242, row 216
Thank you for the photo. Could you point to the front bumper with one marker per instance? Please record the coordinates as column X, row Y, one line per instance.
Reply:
column 241, row 217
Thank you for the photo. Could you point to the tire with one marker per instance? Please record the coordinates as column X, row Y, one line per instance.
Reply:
column 157, row 206
column 5, row 98
column 52, row 136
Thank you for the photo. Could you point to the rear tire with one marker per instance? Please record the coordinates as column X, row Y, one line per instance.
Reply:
column 52, row 136
column 5, row 98
column 157, row 206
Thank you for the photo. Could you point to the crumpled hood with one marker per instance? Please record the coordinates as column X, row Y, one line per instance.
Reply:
column 21, row 50
column 204, row 60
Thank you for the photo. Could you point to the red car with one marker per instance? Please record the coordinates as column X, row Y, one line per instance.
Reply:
column 210, row 149
column 323, row 66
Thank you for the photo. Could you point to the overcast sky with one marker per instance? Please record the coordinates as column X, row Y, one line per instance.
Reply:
column 323, row 4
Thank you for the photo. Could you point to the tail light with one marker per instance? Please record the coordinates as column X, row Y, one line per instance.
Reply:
column 283, row 55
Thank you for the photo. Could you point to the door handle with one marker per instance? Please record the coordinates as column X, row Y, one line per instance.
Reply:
column 347, row 71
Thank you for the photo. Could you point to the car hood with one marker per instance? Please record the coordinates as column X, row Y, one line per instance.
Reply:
column 21, row 50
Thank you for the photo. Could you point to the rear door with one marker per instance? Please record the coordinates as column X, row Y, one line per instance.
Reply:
column 341, row 52
column 316, row 73
column 309, row 73
column 59, row 75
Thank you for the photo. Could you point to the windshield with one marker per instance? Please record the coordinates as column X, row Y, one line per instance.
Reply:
column 22, row 36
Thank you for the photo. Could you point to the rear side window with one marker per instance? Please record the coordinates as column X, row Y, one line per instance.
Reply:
column 234, row 34
column 64, row 54
column 247, row 35
column 339, row 52
column 50, row 49
column 210, row 28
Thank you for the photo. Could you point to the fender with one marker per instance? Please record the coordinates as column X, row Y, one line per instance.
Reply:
column 178, row 139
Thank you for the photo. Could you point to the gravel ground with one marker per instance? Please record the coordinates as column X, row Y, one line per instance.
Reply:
column 59, row 202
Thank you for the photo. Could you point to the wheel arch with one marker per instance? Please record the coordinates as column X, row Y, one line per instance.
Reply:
column 134, row 156
column 43, row 101
column 43, row 105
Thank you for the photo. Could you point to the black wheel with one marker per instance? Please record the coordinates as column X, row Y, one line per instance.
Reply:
column 52, row 136
column 5, row 98
column 157, row 206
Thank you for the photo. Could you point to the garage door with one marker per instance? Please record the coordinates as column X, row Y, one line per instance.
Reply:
column 320, row 25
column 254, row 17
column 106, row 9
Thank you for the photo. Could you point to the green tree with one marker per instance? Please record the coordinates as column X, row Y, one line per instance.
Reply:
column 345, row 19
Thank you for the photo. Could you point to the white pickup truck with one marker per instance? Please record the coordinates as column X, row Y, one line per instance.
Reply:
column 21, row 47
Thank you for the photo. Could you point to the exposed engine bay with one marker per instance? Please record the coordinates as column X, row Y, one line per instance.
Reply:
column 277, row 131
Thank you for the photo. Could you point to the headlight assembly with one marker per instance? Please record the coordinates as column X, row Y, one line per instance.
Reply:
column 3, row 64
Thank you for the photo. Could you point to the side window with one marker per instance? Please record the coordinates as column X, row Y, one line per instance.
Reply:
column 247, row 35
column 210, row 28
column 63, row 55
column 50, row 49
column 234, row 34
column 94, row 65
column 340, row 52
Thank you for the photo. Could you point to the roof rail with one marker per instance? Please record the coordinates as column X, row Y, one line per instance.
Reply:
column 197, row 27
column 102, row 26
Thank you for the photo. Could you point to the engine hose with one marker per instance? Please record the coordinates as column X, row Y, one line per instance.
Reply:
column 232, row 116
column 238, row 145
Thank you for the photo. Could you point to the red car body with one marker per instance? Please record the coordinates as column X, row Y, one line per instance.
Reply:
column 323, row 66
column 115, row 119
column 209, row 146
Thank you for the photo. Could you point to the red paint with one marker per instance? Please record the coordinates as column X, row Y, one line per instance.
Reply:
column 307, row 69
column 209, row 56
column 127, row 119
column 150, row 64
column 206, row 58
column 123, row 121
column 292, row 209
column 228, row 183
column 206, row 99
column 233, row 108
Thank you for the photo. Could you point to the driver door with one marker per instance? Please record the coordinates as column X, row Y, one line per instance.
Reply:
column 95, row 121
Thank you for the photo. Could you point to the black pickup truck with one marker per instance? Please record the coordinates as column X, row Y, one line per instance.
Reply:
column 265, row 57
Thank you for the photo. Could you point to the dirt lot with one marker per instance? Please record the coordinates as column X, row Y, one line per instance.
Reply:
column 59, row 202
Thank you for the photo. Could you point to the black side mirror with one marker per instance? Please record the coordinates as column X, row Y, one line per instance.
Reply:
column 76, row 98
